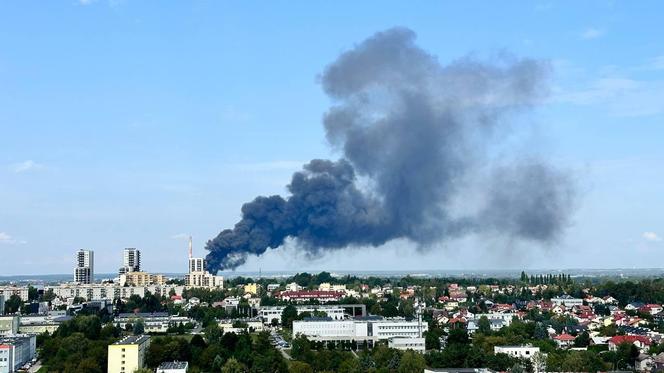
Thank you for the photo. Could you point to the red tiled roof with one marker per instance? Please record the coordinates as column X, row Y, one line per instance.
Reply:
column 564, row 337
column 619, row 339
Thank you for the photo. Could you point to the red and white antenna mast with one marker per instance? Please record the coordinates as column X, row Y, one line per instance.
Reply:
column 191, row 249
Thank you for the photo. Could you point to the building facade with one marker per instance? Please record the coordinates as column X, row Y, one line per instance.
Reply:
column 84, row 271
column 370, row 329
column 141, row 279
column 16, row 351
column 112, row 291
column 20, row 291
column 128, row 354
column 131, row 261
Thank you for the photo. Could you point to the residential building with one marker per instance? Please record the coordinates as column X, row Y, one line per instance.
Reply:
column 272, row 287
column 251, row 288
column 15, row 351
column 173, row 367
column 157, row 322
column 20, row 291
column 84, row 271
column 197, row 265
column 567, row 300
column 198, row 276
column 203, row 280
column 141, row 279
column 131, row 261
column 641, row 342
column 128, row 354
column 111, row 291
column 521, row 352
column 2, row 304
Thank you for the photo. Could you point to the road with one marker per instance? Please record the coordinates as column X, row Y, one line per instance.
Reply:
column 35, row 367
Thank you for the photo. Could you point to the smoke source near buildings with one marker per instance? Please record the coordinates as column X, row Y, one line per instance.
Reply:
column 412, row 130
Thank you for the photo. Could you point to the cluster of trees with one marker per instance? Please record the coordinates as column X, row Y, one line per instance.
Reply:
column 80, row 345
column 548, row 279
column 216, row 352
column 316, row 357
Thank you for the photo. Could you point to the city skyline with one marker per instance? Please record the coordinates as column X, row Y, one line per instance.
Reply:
column 157, row 127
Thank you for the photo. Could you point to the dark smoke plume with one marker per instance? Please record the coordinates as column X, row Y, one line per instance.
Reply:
column 411, row 129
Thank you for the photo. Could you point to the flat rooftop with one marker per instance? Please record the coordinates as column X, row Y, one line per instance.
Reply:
column 132, row 340
column 173, row 365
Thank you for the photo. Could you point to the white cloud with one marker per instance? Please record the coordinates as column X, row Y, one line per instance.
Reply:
column 7, row 239
column 86, row 2
column 651, row 236
column 592, row 33
column 25, row 166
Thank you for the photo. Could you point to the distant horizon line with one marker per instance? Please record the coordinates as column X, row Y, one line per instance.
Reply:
column 367, row 271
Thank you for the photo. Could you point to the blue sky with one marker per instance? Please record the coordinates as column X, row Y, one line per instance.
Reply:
column 136, row 123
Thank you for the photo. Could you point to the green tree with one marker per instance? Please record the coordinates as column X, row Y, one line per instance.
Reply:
column 33, row 293
column 13, row 304
column 233, row 366
column 139, row 327
column 300, row 367
column 288, row 315
column 411, row 362
column 484, row 325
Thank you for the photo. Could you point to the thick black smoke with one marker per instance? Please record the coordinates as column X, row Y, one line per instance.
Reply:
column 412, row 129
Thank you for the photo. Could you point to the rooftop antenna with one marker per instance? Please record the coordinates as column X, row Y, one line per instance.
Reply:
column 191, row 249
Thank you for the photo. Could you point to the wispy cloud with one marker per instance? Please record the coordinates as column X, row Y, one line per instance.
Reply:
column 7, row 239
column 656, row 63
column 86, row 2
column 25, row 166
column 180, row 236
column 621, row 96
column 651, row 237
column 592, row 33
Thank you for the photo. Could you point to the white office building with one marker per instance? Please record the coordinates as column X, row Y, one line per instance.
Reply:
column 335, row 312
column 84, row 272
column 370, row 329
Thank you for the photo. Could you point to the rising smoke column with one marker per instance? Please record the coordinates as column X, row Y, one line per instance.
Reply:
column 412, row 129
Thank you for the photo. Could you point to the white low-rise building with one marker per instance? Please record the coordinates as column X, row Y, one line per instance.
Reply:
column 111, row 291
column 335, row 312
column 173, row 367
column 521, row 352
column 415, row 344
column 370, row 329
column 157, row 322
column 567, row 301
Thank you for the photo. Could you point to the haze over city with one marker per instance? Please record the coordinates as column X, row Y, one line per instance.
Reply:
column 125, row 127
